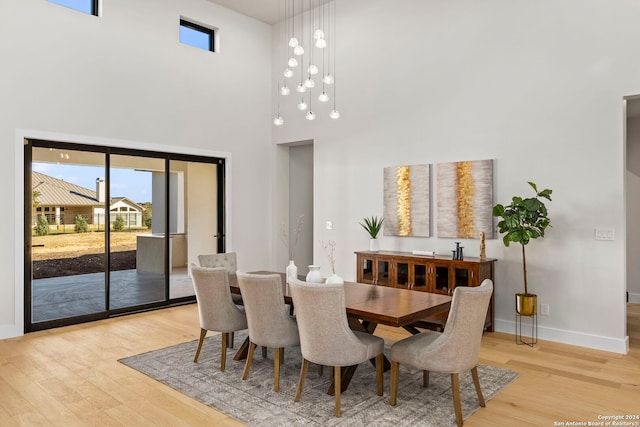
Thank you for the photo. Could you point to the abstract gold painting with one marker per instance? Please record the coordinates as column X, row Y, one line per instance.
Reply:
column 406, row 201
column 464, row 199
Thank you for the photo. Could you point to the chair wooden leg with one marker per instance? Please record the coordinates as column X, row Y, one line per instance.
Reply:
column 476, row 383
column 380, row 373
column 276, row 369
column 455, row 389
column 223, row 356
column 203, row 333
column 337, row 381
column 247, row 363
column 395, row 370
column 264, row 352
column 425, row 378
column 303, row 376
column 231, row 336
column 320, row 370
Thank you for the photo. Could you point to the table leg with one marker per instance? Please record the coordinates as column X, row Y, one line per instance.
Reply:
column 241, row 354
column 411, row 329
column 348, row 371
column 346, row 374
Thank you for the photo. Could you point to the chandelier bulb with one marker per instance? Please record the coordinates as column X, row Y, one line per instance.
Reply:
column 328, row 79
column 298, row 50
column 278, row 121
column 321, row 43
column 302, row 105
column 292, row 62
column 288, row 72
column 310, row 115
column 334, row 114
column 301, row 88
column 293, row 42
column 284, row 90
column 312, row 69
column 309, row 83
column 318, row 34
column 323, row 97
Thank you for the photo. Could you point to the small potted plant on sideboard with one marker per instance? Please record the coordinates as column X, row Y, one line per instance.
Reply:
column 373, row 226
column 522, row 220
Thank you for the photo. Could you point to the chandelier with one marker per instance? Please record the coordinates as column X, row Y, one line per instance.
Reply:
column 308, row 57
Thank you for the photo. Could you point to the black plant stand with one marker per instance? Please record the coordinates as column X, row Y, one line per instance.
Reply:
column 533, row 338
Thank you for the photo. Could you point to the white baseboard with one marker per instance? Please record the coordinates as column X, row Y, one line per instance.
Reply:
column 10, row 331
column 635, row 298
column 580, row 339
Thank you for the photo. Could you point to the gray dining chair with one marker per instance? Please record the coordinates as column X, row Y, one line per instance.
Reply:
column 453, row 351
column 215, row 307
column 325, row 336
column 228, row 260
column 270, row 325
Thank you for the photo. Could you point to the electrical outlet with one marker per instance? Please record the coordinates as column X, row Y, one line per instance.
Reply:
column 329, row 225
column 544, row 309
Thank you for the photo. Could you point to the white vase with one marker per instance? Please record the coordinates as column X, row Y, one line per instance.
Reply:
column 374, row 245
column 292, row 271
column 314, row 275
column 334, row 279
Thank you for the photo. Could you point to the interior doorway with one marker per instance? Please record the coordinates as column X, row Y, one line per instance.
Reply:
column 301, row 202
column 632, row 206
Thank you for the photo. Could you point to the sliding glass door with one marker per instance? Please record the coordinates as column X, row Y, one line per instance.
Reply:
column 136, row 238
column 110, row 230
column 194, row 229
column 67, row 233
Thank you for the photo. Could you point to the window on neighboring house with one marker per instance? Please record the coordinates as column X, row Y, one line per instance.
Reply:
column 87, row 6
column 197, row 35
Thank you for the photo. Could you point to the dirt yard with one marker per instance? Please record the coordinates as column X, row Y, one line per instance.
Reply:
column 59, row 255
column 72, row 245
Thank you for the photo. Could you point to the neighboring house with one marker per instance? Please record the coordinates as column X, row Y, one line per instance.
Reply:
column 62, row 201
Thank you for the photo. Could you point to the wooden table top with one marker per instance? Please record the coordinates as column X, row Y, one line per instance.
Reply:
column 381, row 304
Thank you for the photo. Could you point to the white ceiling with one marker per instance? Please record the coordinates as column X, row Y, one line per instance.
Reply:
column 267, row 11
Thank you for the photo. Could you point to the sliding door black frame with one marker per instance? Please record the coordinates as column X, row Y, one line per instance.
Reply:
column 29, row 326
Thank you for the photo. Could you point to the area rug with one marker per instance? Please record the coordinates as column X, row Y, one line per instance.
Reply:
column 254, row 402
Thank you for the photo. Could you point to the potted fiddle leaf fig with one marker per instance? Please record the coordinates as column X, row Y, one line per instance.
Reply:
column 373, row 226
column 523, row 220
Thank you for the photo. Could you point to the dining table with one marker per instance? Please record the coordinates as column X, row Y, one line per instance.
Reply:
column 367, row 307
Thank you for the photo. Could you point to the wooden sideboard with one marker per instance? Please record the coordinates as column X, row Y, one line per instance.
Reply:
column 435, row 274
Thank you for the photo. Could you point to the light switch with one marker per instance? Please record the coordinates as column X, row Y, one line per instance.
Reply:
column 605, row 234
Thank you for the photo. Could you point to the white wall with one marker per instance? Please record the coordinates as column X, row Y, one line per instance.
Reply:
column 124, row 79
column 537, row 86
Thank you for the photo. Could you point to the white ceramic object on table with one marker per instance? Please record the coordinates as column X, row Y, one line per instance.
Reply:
column 314, row 275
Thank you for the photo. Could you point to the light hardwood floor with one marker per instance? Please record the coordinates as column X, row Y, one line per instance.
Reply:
column 70, row 377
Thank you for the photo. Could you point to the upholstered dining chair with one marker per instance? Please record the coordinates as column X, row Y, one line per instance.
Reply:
column 325, row 336
column 453, row 351
column 215, row 307
column 228, row 260
column 270, row 325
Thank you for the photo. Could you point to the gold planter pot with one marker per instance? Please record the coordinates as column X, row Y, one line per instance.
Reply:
column 526, row 304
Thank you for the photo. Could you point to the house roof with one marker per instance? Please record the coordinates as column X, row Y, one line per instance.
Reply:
column 57, row 192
